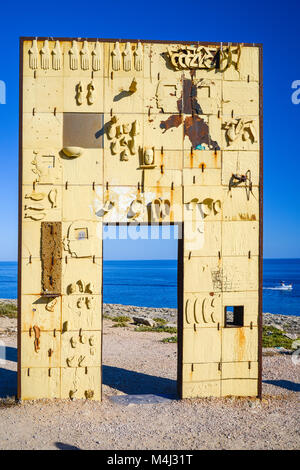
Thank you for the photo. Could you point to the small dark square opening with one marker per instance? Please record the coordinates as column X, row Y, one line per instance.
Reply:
column 234, row 315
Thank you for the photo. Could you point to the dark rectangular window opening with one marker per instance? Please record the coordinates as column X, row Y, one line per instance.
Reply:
column 234, row 316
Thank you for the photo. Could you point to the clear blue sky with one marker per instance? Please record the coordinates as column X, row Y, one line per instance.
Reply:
column 274, row 24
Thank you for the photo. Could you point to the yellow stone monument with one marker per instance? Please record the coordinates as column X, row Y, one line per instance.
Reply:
column 139, row 132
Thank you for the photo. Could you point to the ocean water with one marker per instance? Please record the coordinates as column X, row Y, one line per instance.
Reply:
column 154, row 283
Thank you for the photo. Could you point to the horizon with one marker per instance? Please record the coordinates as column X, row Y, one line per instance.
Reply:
column 281, row 92
column 153, row 259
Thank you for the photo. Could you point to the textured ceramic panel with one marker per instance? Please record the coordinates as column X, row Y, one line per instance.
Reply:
column 82, row 239
column 81, row 202
column 201, row 176
column 83, row 95
column 201, row 238
column 238, row 274
column 210, row 388
column 80, row 349
column 239, row 344
column 31, row 276
column 82, row 310
column 43, row 94
column 42, row 311
column 202, row 159
column 42, row 166
column 201, row 372
column 202, row 310
column 202, row 345
column 81, row 382
column 42, row 130
column 42, row 203
column 240, row 163
column 202, row 132
column 240, row 238
column 203, row 274
column 240, row 98
column 240, row 205
column 124, row 95
column 86, row 169
column 239, row 370
column 240, row 132
column 83, row 60
column 53, row 59
column 40, row 382
column 40, row 348
column 124, row 59
column 82, row 276
column 239, row 387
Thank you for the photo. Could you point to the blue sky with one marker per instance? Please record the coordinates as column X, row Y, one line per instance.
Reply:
column 276, row 25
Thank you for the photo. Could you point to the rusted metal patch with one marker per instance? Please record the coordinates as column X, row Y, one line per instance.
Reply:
column 51, row 251
column 195, row 128
column 83, row 130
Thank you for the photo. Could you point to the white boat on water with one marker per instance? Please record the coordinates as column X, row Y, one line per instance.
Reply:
column 284, row 286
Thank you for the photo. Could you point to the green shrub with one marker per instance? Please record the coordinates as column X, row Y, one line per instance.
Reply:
column 8, row 310
column 120, row 319
column 171, row 339
column 160, row 321
column 157, row 329
column 272, row 338
column 119, row 324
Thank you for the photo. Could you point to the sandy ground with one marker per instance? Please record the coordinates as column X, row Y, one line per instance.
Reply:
column 136, row 362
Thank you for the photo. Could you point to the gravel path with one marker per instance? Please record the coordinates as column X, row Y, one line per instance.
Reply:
column 137, row 362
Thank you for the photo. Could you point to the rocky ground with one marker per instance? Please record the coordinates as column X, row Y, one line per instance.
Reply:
column 139, row 362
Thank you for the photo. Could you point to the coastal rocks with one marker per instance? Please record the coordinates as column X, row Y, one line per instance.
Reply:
column 144, row 321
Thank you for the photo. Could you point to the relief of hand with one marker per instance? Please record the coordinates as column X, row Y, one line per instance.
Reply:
column 116, row 57
column 127, row 57
column 138, row 57
column 45, row 55
column 85, row 59
column 33, row 55
column 73, row 52
column 56, row 56
column 96, row 57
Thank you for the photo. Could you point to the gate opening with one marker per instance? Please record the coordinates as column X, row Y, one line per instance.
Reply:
column 141, row 331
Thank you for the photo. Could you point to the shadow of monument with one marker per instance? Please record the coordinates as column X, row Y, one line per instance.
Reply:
column 11, row 354
column 132, row 383
column 8, row 383
column 287, row 384
column 63, row 446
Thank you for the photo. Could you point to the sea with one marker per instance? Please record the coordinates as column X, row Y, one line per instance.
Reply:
column 153, row 283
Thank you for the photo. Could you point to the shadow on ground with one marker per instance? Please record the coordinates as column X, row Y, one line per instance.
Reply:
column 287, row 384
column 63, row 446
column 8, row 383
column 11, row 354
column 132, row 382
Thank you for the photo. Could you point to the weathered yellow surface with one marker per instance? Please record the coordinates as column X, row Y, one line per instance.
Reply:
column 139, row 133
column 44, row 354
column 239, row 370
column 38, row 382
column 204, row 343
column 239, row 344
column 210, row 388
column 239, row 387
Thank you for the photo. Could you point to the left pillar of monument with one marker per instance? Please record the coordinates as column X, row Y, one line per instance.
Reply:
column 60, row 256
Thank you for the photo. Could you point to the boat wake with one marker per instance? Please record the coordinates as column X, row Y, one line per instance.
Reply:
column 278, row 288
